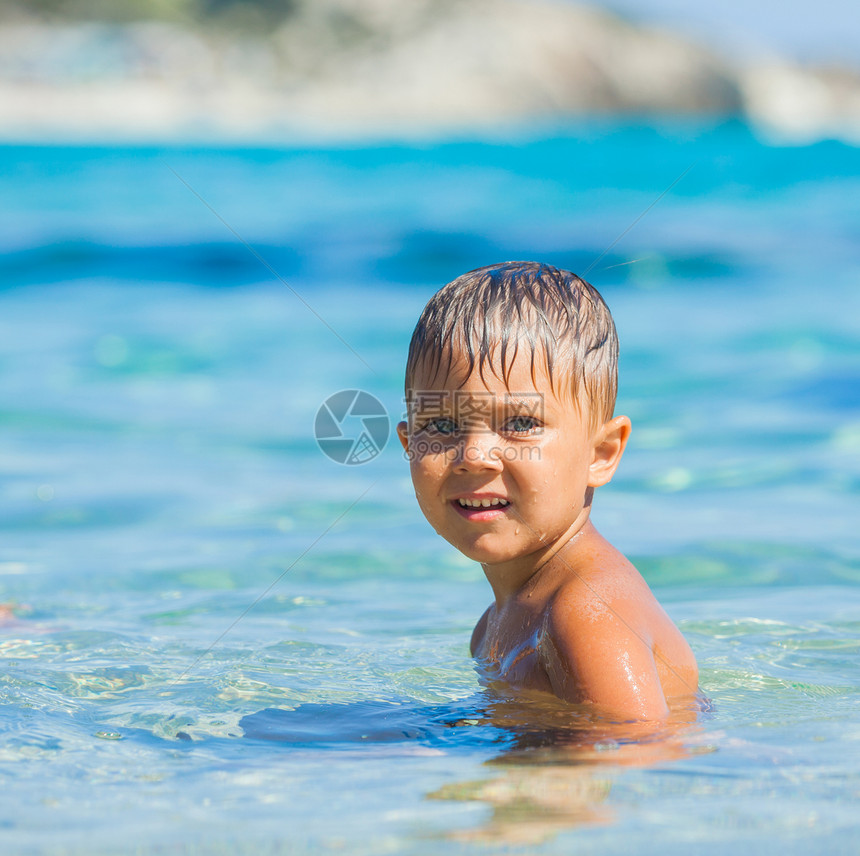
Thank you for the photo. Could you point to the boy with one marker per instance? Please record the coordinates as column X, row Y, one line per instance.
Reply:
column 510, row 382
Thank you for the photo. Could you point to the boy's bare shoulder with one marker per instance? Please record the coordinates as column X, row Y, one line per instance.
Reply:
column 598, row 647
column 615, row 599
column 605, row 626
column 600, row 581
column 606, row 596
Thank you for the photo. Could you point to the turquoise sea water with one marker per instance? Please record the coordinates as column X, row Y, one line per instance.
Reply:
column 220, row 641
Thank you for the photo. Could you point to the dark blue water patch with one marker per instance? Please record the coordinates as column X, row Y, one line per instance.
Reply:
column 503, row 723
column 368, row 722
column 419, row 257
column 218, row 264
column 437, row 257
column 839, row 392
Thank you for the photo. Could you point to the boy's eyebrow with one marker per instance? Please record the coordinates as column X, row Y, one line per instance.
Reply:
column 423, row 400
column 531, row 403
column 526, row 399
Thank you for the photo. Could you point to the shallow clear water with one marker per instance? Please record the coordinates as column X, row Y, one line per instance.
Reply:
column 222, row 641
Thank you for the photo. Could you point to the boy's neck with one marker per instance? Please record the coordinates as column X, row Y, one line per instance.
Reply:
column 536, row 577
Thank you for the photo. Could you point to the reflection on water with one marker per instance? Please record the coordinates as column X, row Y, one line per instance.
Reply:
column 556, row 773
column 553, row 767
column 533, row 803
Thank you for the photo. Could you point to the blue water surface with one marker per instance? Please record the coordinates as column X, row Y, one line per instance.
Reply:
column 218, row 640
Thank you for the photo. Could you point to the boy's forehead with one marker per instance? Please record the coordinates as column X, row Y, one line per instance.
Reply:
column 460, row 400
column 521, row 371
column 438, row 385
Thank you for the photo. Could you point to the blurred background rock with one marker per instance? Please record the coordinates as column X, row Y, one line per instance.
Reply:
column 152, row 69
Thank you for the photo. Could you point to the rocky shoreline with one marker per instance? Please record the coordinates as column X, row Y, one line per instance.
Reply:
column 339, row 68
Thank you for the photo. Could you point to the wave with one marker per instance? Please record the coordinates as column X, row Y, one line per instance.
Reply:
column 418, row 257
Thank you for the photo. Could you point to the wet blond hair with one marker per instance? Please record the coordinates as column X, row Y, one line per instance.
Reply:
column 486, row 315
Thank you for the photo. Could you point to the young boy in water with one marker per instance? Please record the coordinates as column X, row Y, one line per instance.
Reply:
column 511, row 382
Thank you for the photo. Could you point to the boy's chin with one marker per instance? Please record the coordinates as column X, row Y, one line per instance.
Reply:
column 486, row 554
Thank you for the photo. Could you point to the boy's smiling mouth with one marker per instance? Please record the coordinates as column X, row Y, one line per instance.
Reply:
column 484, row 502
column 481, row 508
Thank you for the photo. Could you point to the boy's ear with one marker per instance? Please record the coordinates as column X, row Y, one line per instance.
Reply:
column 403, row 434
column 608, row 448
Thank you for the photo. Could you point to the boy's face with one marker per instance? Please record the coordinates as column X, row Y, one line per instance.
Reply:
column 502, row 472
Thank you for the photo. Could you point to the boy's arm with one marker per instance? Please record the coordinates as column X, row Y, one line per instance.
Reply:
column 597, row 656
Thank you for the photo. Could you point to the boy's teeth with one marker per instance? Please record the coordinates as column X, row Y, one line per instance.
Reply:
column 481, row 503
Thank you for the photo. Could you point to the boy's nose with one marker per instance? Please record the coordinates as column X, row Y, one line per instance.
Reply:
column 477, row 451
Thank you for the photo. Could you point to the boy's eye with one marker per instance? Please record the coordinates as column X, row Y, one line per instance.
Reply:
column 522, row 425
column 442, row 425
